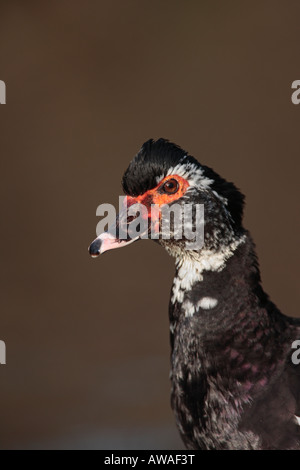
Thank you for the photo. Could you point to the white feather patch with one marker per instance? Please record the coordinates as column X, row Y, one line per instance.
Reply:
column 298, row 419
column 192, row 173
column 188, row 308
column 191, row 267
column 207, row 303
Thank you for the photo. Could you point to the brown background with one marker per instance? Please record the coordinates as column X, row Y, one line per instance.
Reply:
column 87, row 83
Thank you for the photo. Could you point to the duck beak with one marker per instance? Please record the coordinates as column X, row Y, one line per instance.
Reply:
column 120, row 233
column 107, row 241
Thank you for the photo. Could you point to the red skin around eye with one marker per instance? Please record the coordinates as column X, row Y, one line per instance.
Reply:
column 153, row 196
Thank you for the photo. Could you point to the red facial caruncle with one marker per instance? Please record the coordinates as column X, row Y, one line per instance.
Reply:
column 170, row 189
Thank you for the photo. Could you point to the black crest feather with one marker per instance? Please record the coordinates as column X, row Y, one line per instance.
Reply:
column 155, row 158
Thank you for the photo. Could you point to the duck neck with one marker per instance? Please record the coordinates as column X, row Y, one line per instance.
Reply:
column 211, row 289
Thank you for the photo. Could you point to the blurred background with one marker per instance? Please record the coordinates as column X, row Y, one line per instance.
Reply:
column 87, row 83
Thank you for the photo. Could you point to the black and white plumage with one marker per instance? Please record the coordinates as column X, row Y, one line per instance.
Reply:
column 234, row 384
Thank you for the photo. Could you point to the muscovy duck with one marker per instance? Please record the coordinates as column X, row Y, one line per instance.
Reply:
column 235, row 372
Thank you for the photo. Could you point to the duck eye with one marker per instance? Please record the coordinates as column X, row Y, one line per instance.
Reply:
column 170, row 187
